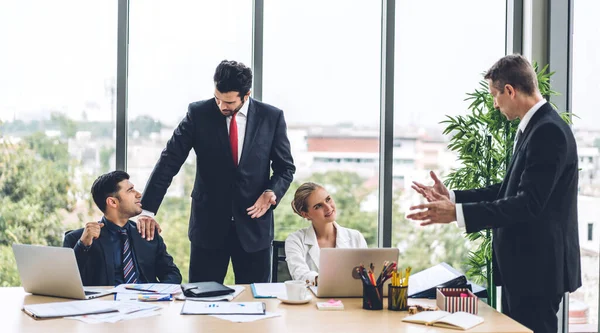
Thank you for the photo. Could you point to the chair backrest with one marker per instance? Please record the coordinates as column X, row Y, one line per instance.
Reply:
column 279, row 272
column 65, row 234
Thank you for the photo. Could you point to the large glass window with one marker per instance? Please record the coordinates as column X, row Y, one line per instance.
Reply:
column 440, row 56
column 57, row 111
column 174, row 49
column 321, row 66
column 583, row 307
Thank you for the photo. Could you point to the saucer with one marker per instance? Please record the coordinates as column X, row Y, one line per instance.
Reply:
column 284, row 299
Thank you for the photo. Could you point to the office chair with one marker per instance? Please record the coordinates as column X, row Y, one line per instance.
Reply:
column 65, row 235
column 279, row 268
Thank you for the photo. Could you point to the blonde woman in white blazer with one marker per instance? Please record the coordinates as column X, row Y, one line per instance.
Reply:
column 302, row 247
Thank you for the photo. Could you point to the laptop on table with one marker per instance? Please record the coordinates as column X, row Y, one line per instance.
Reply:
column 336, row 267
column 51, row 271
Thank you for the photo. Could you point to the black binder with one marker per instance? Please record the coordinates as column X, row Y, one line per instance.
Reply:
column 205, row 289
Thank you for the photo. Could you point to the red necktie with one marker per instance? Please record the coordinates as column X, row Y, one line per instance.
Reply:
column 233, row 139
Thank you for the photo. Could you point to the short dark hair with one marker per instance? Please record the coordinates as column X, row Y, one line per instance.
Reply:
column 515, row 70
column 107, row 185
column 233, row 76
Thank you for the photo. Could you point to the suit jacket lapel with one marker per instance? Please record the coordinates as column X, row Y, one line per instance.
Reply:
column 221, row 132
column 255, row 118
column 106, row 247
column 524, row 138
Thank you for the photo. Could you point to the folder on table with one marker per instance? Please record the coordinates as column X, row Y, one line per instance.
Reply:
column 68, row 309
column 205, row 289
column 424, row 283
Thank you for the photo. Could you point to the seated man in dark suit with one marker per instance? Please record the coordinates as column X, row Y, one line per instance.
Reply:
column 111, row 252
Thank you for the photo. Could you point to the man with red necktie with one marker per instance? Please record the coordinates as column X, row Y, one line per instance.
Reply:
column 237, row 140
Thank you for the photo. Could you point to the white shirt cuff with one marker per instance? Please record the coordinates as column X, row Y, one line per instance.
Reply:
column 147, row 213
column 460, row 216
column 452, row 196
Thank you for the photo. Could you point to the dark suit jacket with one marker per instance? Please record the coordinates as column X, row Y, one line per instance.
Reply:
column 96, row 265
column 533, row 212
column 222, row 191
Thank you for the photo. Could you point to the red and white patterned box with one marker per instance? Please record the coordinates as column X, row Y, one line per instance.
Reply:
column 450, row 299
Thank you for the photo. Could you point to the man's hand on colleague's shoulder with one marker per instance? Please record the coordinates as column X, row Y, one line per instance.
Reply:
column 146, row 226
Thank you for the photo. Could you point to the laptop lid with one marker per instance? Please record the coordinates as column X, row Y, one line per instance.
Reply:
column 50, row 271
column 336, row 266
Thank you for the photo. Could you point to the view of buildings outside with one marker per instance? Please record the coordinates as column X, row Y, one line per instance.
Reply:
column 586, row 125
column 57, row 107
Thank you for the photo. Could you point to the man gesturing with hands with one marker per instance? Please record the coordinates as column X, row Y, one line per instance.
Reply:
column 533, row 212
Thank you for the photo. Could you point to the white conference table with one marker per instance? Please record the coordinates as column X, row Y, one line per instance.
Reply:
column 304, row 318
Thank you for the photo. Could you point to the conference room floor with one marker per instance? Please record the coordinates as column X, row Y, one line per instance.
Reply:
column 304, row 318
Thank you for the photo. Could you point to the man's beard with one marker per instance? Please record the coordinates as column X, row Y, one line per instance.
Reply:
column 230, row 113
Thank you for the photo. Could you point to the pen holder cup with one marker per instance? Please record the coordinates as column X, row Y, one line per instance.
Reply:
column 397, row 298
column 372, row 297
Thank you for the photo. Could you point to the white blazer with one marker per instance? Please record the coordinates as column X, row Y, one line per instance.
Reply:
column 302, row 250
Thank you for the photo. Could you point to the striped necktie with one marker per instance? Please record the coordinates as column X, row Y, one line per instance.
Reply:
column 129, row 273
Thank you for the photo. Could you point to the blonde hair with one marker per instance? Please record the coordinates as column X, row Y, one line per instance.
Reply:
column 302, row 193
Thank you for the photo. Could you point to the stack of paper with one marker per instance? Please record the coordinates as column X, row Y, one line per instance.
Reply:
column 126, row 311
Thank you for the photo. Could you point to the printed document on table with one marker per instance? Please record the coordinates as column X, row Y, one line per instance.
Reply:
column 126, row 310
column 223, row 308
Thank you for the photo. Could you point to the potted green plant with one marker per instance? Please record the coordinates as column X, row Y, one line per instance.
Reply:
column 483, row 140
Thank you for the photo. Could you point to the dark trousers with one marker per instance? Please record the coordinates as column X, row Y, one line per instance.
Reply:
column 538, row 313
column 211, row 264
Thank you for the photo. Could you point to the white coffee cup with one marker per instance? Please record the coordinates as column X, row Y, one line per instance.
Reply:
column 296, row 290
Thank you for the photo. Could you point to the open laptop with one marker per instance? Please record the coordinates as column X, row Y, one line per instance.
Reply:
column 336, row 267
column 51, row 271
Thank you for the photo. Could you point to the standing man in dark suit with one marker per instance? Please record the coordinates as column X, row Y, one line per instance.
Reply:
column 112, row 252
column 237, row 140
column 533, row 212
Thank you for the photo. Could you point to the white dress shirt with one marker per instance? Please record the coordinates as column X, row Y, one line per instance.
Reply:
column 241, row 119
column 302, row 250
column 460, row 216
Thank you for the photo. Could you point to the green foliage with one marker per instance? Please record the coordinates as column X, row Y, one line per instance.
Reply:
column 67, row 127
column 105, row 155
column 348, row 191
column 483, row 140
column 35, row 185
column 144, row 125
column 421, row 248
column 174, row 220
column 8, row 272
